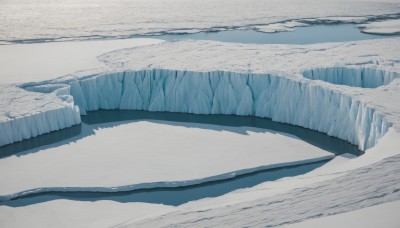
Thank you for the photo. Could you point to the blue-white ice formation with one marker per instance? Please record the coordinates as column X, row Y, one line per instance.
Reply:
column 282, row 99
column 42, row 120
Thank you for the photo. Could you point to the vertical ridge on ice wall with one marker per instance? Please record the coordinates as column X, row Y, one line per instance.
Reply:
column 220, row 92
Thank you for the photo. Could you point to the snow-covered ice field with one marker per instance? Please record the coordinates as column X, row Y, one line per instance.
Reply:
column 348, row 90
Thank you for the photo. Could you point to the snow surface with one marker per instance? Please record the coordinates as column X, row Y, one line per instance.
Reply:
column 44, row 61
column 43, row 20
column 184, row 154
column 66, row 213
column 387, row 27
column 383, row 215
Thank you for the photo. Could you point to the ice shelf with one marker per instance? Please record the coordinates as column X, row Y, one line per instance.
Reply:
column 136, row 79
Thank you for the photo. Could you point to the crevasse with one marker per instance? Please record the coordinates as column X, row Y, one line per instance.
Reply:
column 282, row 99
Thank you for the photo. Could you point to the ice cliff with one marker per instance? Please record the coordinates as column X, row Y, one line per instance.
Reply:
column 219, row 92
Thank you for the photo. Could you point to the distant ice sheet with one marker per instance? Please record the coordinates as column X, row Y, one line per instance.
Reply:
column 42, row 21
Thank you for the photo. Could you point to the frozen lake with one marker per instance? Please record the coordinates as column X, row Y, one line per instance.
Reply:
column 300, row 35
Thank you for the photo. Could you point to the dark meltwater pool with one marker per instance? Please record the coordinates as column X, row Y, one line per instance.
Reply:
column 178, row 195
column 300, row 35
